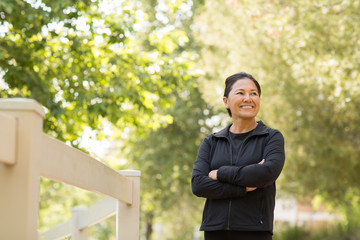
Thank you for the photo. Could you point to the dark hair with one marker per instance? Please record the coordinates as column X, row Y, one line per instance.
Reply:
column 229, row 82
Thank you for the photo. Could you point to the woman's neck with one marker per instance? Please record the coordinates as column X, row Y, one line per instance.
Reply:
column 242, row 126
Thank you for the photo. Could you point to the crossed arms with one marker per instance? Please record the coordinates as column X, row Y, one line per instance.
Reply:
column 235, row 181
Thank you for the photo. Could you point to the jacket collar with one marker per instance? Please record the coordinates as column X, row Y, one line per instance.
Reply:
column 260, row 129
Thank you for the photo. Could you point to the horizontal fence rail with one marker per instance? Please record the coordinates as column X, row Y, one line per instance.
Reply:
column 26, row 154
column 63, row 163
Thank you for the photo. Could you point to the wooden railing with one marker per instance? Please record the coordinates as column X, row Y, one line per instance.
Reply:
column 26, row 154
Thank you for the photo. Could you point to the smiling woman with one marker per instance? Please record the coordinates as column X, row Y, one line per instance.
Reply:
column 242, row 100
column 236, row 168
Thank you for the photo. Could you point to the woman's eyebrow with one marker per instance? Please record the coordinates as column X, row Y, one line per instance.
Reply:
column 240, row 89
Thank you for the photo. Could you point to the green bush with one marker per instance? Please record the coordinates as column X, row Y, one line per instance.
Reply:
column 339, row 231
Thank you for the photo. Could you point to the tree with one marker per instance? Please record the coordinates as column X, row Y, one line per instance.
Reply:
column 166, row 157
column 306, row 56
column 89, row 62
column 85, row 62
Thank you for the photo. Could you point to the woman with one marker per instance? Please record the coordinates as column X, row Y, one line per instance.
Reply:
column 236, row 168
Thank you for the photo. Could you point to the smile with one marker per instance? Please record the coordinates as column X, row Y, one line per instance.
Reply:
column 247, row 107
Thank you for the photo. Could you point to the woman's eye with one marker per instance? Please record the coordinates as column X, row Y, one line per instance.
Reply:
column 254, row 94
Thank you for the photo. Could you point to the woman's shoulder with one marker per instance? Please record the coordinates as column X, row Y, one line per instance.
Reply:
column 214, row 136
column 268, row 128
column 271, row 131
column 221, row 133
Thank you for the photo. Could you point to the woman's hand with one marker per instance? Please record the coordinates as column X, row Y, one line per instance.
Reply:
column 213, row 174
column 249, row 189
column 262, row 161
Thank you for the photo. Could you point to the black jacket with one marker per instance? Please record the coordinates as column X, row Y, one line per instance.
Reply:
column 228, row 205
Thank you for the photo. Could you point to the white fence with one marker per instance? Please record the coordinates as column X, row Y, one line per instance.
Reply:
column 26, row 154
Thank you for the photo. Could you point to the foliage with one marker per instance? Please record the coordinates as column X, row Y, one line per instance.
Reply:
column 306, row 56
column 294, row 233
column 131, row 63
column 90, row 62
column 85, row 62
column 165, row 157
column 335, row 232
column 57, row 199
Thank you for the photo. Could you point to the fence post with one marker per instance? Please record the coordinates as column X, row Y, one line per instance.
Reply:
column 128, row 215
column 19, row 181
column 77, row 213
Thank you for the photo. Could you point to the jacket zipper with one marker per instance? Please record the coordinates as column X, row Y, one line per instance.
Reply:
column 231, row 163
column 262, row 208
column 228, row 223
column 242, row 145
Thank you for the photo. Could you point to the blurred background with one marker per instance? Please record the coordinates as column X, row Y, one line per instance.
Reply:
column 138, row 84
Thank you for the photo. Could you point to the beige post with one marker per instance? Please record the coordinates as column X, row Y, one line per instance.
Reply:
column 77, row 214
column 128, row 215
column 8, row 133
column 19, row 182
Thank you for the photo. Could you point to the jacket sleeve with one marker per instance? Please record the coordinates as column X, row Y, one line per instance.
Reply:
column 203, row 186
column 258, row 175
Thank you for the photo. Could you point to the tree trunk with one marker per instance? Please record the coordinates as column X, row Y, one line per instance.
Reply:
column 149, row 225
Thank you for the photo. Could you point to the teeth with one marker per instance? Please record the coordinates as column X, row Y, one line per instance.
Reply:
column 246, row 107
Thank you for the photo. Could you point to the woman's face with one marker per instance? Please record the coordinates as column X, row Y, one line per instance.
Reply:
column 243, row 100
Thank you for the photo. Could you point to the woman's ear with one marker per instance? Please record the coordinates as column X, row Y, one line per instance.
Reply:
column 225, row 100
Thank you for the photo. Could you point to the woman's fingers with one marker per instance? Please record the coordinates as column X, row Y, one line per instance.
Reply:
column 249, row 189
